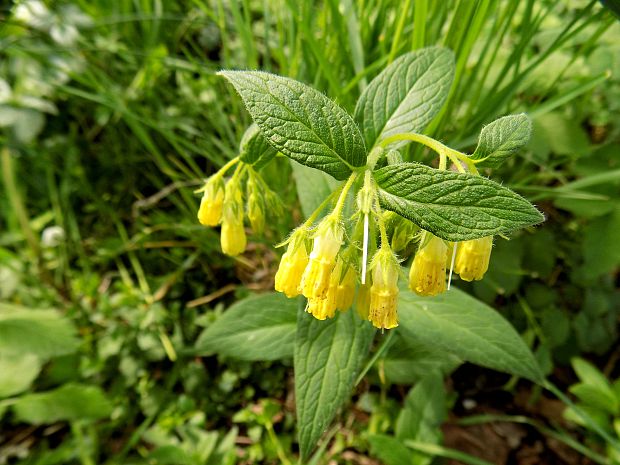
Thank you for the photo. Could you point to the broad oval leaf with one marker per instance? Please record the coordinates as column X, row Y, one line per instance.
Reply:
column 464, row 326
column 389, row 450
column 17, row 372
column 424, row 411
column 68, row 402
column 44, row 333
column 406, row 95
column 328, row 356
column 257, row 328
column 254, row 149
column 410, row 360
column 453, row 206
column 501, row 138
column 301, row 122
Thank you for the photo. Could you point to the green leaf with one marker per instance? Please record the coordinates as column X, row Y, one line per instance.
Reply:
column 328, row 356
column 17, row 372
column 424, row 411
column 44, row 333
column 257, row 328
column 301, row 122
column 68, row 402
column 406, row 95
column 389, row 450
column 410, row 360
column 502, row 138
column 453, row 206
column 169, row 455
column 459, row 324
column 598, row 397
column 601, row 252
column 588, row 373
column 254, row 149
column 595, row 389
column 312, row 187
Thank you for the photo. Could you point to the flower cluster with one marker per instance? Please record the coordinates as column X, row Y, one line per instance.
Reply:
column 328, row 271
column 338, row 262
column 223, row 203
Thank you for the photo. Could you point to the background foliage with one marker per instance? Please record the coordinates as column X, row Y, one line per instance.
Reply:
column 123, row 334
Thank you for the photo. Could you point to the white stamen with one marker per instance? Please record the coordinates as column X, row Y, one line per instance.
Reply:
column 365, row 249
column 452, row 263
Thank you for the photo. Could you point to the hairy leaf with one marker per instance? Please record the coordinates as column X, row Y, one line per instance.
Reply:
column 406, row 95
column 254, row 149
column 500, row 139
column 257, row 328
column 471, row 330
column 328, row 356
column 453, row 206
column 301, row 122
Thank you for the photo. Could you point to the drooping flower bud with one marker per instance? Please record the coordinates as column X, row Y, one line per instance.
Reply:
column 232, row 238
column 345, row 292
column 427, row 276
column 292, row 265
column 472, row 258
column 327, row 242
column 210, row 211
column 384, row 290
column 256, row 212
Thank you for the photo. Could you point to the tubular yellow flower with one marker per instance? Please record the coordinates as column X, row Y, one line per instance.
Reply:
column 362, row 303
column 384, row 290
column 345, row 292
column 232, row 238
column 210, row 211
column 292, row 265
column 327, row 241
column 428, row 270
column 472, row 258
column 322, row 308
column 326, row 307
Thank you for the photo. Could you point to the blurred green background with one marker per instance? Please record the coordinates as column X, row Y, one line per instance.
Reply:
column 111, row 115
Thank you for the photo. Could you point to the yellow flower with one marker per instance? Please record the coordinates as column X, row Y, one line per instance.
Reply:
column 384, row 290
column 232, row 236
column 345, row 291
column 292, row 265
column 362, row 303
column 472, row 258
column 322, row 308
column 428, row 270
column 210, row 211
column 327, row 241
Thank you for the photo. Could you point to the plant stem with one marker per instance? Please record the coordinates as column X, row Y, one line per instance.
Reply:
column 343, row 194
column 320, row 208
column 15, row 199
column 443, row 150
column 385, row 345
